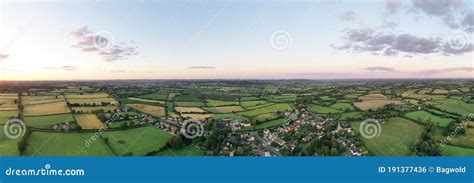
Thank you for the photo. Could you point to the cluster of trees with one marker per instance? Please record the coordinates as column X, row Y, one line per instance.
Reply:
column 215, row 140
column 23, row 143
column 325, row 146
column 455, row 128
column 87, row 104
column 427, row 146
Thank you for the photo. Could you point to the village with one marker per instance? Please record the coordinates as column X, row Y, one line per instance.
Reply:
column 301, row 128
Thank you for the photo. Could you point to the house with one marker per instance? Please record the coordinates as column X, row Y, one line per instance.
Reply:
column 307, row 138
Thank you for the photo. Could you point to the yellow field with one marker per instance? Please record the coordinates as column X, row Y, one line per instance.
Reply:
column 440, row 91
column 225, row 109
column 47, row 97
column 8, row 96
column 147, row 100
column 373, row 96
column 88, row 96
column 46, row 109
column 425, row 91
column 426, row 97
column 7, row 101
column 173, row 115
column 31, row 102
column 89, row 121
column 8, row 104
column 464, row 89
column 197, row 116
column 149, row 109
column 454, row 91
column 373, row 104
column 189, row 110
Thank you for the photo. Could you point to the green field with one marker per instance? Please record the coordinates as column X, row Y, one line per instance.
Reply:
column 190, row 104
column 188, row 98
column 215, row 103
column 47, row 121
column 5, row 115
column 351, row 116
column 266, row 116
column 258, row 106
column 268, row 124
column 449, row 150
column 424, row 117
column 229, row 116
column 465, row 140
column 185, row 151
column 456, row 106
column 139, row 141
column 396, row 138
column 117, row 124
column 130, row 101
column 342, row 106
column 161, row 95
column 249, row 98
column 323, row 110
column 65, row 144
column 268, row 109
column 326, row 98
column 247, row 104
column 282, row 98
column 8, row 147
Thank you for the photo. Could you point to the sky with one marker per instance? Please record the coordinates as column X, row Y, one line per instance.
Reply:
column 229, row 39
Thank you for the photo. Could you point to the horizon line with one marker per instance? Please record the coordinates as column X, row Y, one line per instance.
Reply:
column 248, row 79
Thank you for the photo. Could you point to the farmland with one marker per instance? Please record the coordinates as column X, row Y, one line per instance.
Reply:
column 396, row 137
column 425, row 117
column 137, row 141
column 8, row 146
column 224, row 109
column 186, row 151
column 89, row 121
column 5, row 115
column 324, row 110
column 152, row 110
column 48, row 121
column 63, row 144
column 46, row 109
column 455, row 106
column 449, row 150
column 140, row 119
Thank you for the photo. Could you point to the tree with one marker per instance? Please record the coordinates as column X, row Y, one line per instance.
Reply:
column 22, row 145
column 176, row 142
column 106, row 140
column 426, row 146
column 128, row 154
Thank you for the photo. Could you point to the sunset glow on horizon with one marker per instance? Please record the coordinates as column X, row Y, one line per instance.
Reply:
column 101, row 40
